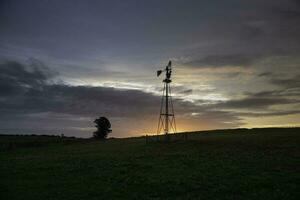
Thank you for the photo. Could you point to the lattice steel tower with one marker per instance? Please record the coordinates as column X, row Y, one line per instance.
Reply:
column 166, row 120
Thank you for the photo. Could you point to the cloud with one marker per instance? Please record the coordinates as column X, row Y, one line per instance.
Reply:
column 261, row 101
column 252, row 102
column 38, row 98
column 289, row 83
column 233, row 60
column 29, row 88
column 15, row 78
column 274, row 94
column 268, row 114
column 265, row 74
column 250, row 34
column 31, row 99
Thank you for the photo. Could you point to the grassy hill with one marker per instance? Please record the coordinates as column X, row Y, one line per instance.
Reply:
column 222, row 164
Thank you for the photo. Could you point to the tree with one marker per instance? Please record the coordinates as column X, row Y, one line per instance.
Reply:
column 103, row 127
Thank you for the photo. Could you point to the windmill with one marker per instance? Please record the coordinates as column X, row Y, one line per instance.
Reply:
column 166, row 120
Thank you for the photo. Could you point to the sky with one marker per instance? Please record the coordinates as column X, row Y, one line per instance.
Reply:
column 236, row 64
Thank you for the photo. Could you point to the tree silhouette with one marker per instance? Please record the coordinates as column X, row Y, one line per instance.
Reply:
column 103, row 127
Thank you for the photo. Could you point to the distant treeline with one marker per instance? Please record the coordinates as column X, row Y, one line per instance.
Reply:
column 8, row 141
column 36, row 135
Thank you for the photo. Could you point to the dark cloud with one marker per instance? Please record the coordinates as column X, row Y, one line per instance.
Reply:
column 268, row 114
column 30, row 97
column 278, row 93
column 181, row 90
column 187, row 91
column 38, row 95
column 258, row 103
column 27, row 91
column 16, row 78
column 256, row 32
column 262, row 100
column 223, row 61
column 265, row 74
column 289, row 83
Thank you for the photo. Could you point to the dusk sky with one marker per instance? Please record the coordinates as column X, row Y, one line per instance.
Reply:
column 236, row 63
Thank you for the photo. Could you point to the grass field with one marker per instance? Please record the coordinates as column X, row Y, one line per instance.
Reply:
column 228, row 164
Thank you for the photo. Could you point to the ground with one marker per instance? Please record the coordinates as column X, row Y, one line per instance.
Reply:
column 224, row 164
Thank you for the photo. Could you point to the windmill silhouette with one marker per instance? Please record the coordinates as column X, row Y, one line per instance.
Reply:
column 166, row 122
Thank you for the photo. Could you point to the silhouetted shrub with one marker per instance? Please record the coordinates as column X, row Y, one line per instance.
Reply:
column 103, row 127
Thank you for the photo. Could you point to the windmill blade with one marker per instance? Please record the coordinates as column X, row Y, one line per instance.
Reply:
column 159, row 72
